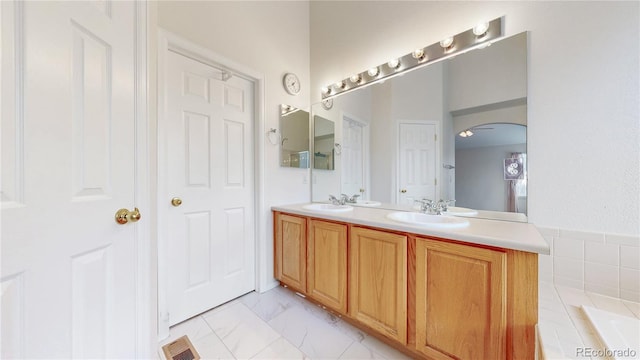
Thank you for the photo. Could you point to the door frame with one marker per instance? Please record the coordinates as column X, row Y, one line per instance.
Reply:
column 399, row 123
column 145, row 298
column 168, row 41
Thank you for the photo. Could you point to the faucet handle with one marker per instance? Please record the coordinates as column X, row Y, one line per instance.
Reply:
column 425, row 204
column 441, row 205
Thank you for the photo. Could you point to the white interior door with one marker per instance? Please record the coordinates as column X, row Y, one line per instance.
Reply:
column 68, row 270
column 417, row 162
column 210, row 167
column 354, row 163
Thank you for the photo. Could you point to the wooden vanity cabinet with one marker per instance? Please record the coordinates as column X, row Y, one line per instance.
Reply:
column 291, row 251
column 378, row 281
column 432, row 298
column 461, row 308
column 327, row 264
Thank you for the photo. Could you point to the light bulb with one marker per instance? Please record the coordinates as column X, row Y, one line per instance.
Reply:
column 326, row 90
column 469, row 133
column 394, row 63
column 463, row 134
column 481, row 29
column 446, row 42
column 373, row 72
column 355, row 78
column 418, row 54
column 341, row 85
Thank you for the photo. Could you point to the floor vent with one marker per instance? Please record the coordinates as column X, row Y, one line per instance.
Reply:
column 180, row 349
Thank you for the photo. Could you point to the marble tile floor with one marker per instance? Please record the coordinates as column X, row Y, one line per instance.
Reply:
column 277, row 324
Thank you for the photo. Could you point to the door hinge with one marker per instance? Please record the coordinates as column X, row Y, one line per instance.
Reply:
column 435, row 137
column 435, row 182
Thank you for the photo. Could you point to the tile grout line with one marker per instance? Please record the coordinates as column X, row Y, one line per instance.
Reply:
column 274, row 329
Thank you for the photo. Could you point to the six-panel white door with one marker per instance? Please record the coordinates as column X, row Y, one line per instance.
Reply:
column 417, row 162
column 210, row 168
column 68, row 272
column 354, row 163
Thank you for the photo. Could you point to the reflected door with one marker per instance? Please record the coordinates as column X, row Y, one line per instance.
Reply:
column 209, row 149
column 417, row 162
column 354, row 163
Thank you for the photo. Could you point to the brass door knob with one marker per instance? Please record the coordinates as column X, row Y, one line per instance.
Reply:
column 123, row 216
column 176, row 201
column 403, row 191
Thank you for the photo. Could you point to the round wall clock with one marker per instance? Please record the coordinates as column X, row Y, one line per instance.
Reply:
column 291, row 83
column 327, row 104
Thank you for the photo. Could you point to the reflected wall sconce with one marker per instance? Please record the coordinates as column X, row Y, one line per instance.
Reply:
column 272, row 136
column 478, row 36
column 338, row 148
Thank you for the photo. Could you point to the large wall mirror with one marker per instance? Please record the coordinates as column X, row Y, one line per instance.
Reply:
column 294, row 137
column 452, row 130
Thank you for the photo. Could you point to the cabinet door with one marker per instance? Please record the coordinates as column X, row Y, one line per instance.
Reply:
column 327, row 264
column 291, row 251
column 378, row 281
column 460, row 301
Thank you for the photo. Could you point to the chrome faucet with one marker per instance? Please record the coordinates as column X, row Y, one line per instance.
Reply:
column 350, row 199
column 433, row 207
column 336, row 201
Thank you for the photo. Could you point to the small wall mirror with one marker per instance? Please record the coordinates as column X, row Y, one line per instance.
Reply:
column 294, row 137
column 323, row 143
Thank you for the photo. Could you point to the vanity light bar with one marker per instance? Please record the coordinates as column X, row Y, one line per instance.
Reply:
column 477, row 36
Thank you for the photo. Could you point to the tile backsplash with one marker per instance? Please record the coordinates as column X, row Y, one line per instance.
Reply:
column 607, row 264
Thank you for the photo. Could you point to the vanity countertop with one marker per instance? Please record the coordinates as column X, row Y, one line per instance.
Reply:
column 503, row 234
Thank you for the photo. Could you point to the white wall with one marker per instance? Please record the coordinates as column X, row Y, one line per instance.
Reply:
column 272, row 38
column 584, row 161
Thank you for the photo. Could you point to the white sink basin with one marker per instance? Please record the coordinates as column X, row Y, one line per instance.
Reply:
column 460, row 211
column 367, row 203
column 426, row 220
column 328, row 207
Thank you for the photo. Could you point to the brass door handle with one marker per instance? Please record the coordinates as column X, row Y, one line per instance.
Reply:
column 123, row 216
column 403, row 191
column 176, row 201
